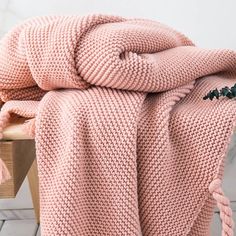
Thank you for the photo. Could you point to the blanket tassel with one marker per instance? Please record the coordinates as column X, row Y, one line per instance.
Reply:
column 223, row 204
column 4, row 172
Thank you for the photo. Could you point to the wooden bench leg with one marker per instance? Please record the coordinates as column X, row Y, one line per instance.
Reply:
column 34, row 188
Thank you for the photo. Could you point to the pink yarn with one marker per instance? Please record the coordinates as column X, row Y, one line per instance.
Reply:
column 29, row 127
column 4, row 172
column 223, row 204
column 125, row 143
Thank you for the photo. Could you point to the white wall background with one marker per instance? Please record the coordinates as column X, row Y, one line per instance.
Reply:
column 209, row 23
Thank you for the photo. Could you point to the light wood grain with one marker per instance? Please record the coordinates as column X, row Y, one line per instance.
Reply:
column 34, row 188
column 15, row 131
column 19, row 202
column 18, row 155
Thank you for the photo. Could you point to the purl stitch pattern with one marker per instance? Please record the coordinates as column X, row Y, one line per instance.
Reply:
column 125, row 143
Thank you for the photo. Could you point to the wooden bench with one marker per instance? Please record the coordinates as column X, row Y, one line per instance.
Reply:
column 17, row 150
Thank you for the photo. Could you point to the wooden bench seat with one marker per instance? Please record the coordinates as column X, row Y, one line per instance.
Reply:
column 17, row 150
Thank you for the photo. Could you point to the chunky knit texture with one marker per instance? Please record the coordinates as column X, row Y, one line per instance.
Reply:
column 125, row 143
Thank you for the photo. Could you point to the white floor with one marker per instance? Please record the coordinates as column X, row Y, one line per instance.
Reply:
column 28, row 227
column 19, row 228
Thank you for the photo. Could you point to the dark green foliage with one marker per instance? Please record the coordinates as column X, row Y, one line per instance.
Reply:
column 224, row 92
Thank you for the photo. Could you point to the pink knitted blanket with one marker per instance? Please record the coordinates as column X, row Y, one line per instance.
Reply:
column 125, row 143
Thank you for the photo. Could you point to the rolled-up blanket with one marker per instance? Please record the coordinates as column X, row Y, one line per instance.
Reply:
column 125, row 143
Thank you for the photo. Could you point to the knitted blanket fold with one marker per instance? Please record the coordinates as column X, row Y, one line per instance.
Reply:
column 125, row 143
